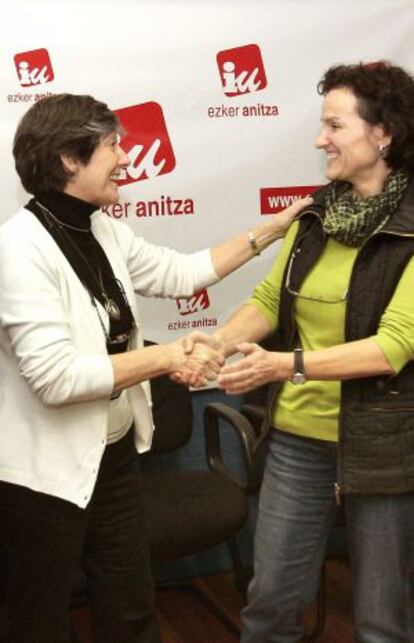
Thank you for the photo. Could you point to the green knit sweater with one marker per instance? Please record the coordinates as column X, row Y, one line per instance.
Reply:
column 312, row 409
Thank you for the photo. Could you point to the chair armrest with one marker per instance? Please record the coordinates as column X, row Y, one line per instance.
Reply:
column 255, row 413
column 213, row 413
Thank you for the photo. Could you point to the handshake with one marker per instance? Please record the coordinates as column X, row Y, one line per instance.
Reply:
column 198, row 359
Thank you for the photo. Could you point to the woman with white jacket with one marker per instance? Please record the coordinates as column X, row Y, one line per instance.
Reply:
column 75, row 405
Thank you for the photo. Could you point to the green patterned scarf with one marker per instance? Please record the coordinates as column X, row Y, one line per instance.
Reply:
column 350, row 219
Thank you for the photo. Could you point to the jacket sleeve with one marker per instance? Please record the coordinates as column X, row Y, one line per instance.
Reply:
column 37, row 331
column 158, row 271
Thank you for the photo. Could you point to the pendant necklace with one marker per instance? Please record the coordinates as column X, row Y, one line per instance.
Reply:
column 110, row 306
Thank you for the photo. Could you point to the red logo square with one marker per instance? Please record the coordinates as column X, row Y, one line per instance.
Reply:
column 146, row 142
column 274, row 200
column 34, row 67
column 241, row 70
column 195, row 303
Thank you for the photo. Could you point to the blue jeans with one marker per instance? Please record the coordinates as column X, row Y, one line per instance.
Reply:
column 296, row 512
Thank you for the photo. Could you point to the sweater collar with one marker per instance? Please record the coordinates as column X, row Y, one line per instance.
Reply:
column 67, row 208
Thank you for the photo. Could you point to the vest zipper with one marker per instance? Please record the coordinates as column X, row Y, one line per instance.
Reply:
column 380, row 409
column 337, row 494
column 394, row 234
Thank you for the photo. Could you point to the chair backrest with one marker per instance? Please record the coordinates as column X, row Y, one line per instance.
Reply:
column 172, row 411
column 173, row 414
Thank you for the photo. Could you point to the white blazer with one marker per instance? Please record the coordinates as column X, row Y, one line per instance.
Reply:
column 55, row 373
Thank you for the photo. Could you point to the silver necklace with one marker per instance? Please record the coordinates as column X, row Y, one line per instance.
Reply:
column 58, row 221
column 110, row 306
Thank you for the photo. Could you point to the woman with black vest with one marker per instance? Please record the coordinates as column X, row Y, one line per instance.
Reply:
column 338, row 307
column 75, row 405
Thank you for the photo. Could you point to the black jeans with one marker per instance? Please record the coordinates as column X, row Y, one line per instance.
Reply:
column 46, row 540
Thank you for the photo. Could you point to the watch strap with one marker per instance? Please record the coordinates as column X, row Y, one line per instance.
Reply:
column 298, row 374
column 298, row 363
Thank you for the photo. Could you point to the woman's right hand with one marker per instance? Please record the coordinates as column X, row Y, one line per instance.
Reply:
column 195, row 364
column 282, row 220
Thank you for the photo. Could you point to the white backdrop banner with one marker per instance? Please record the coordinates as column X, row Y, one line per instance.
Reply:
column 219, row 103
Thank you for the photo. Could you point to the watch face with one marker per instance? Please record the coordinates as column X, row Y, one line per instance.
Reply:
column 298, row 378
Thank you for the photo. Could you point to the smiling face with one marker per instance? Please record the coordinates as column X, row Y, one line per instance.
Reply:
column 95, row 182
column 352, row 145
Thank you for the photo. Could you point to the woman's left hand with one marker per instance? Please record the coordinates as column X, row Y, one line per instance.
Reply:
column 258, row 367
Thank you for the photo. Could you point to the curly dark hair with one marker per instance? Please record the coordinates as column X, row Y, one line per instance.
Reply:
column 59, row 124
column 385, row 95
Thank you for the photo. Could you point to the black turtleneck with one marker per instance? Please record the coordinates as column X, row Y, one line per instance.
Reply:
column 84, row 253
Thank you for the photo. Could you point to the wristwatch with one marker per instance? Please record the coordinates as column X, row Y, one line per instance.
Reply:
column 298, row 375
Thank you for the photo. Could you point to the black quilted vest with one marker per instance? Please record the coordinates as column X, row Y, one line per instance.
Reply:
column 376, row 424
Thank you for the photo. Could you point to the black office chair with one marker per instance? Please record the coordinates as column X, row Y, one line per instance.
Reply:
column 247, row 424
column 189, row 511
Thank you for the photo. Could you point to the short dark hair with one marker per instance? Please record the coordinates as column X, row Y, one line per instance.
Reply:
column 59, row 124
column 385, row 95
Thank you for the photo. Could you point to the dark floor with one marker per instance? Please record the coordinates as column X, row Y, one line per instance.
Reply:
column 187, row 614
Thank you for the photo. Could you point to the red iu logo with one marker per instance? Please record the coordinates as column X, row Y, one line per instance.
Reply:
column 34, row 67
column 146, row 142
column 198, row 301
column 241, row 70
